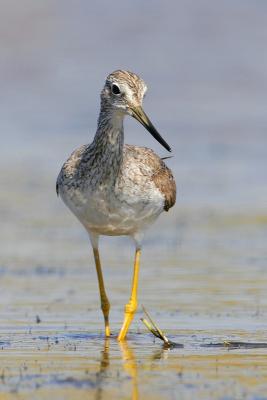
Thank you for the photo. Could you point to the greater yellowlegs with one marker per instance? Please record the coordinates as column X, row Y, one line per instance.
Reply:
column 117, row 189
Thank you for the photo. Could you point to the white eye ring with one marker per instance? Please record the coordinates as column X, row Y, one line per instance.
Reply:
column 115, row 89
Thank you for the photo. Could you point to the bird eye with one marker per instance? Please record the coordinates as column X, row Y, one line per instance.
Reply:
column 115, row 89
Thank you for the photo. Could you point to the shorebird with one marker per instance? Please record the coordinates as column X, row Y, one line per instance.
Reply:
column 115, row 188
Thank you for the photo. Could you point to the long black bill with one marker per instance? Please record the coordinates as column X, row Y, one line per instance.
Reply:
column 139, row 114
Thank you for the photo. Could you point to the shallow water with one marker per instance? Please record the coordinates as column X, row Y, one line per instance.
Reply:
column 205, row 285
column 203, row 269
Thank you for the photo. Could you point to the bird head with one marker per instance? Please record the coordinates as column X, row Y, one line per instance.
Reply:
column 123, row 93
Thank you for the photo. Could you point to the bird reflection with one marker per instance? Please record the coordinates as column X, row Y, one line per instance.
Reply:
column 104, row 364
column 105, row 375
column 129, row 366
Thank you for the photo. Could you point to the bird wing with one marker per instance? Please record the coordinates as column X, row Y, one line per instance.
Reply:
column 154, row 168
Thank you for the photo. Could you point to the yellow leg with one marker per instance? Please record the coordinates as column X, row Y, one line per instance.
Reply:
column 131, row 307
column 103, row 297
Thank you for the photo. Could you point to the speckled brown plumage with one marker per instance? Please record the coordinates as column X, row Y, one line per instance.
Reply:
column 154, row 168
column 165, row 182
column 114, row 188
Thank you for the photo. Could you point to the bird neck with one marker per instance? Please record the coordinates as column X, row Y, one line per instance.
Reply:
column 108, row 142
column 109, row 128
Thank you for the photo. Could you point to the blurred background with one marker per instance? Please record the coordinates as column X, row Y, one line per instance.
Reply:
column 205, row 64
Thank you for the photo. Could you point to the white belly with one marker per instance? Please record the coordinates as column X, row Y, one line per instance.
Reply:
column 110, row 213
